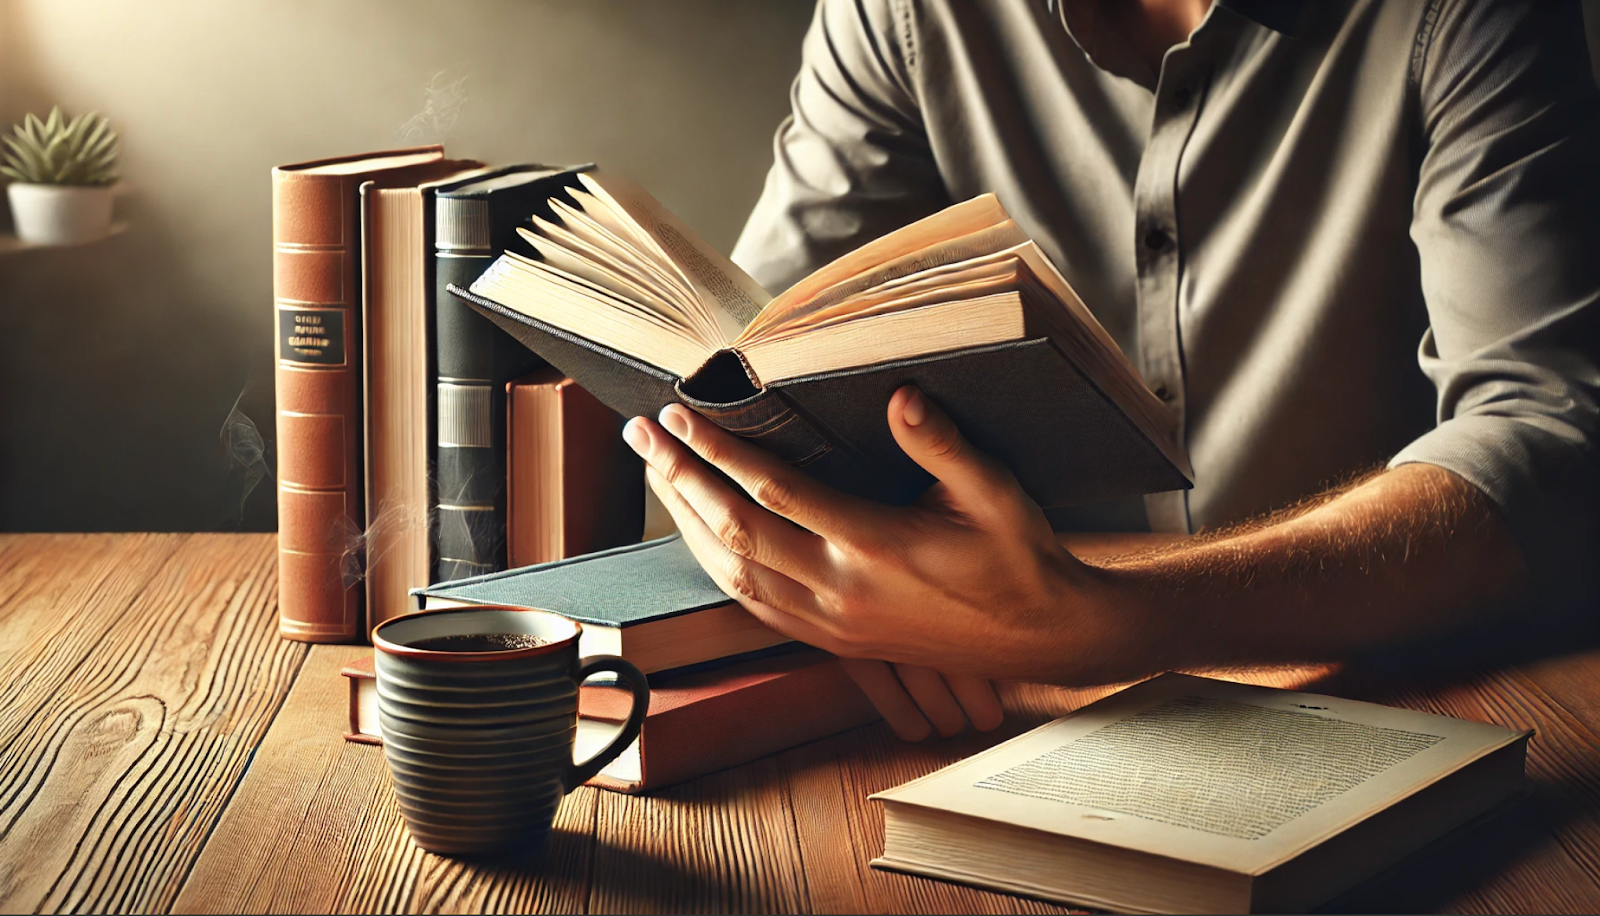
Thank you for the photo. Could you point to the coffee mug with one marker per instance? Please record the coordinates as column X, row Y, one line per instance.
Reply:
column 479, row 709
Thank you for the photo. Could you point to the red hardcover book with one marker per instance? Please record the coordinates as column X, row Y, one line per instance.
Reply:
column 316, row 273
column 714, row 719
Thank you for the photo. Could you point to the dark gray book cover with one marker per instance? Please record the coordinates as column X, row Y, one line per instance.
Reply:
column 1023, row 402
column 621, row 587
column 475, row 222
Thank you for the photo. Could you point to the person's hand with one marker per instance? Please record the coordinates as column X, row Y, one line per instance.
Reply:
column 969, row 581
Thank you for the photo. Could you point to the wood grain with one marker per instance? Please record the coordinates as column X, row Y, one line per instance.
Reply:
column 152, row 668
column 1548, row 855
column 721, row 844
column 161, row 750
column 314, row 829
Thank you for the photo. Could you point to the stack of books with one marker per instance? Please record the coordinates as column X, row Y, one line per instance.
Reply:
column 724, row 689
column 418, row 443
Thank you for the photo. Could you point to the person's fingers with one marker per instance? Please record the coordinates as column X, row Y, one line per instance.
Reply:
column 930, row 438
column 779, row 602
column 927, row 687
column 781, row 489
column 744, row 528
column 978, row 700
column 877, row 680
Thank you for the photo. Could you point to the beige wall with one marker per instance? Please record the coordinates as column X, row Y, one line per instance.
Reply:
column 119, row 361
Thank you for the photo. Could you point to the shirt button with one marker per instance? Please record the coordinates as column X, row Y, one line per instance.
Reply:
column 1163, row 393
column 1182, row 95
column 1156, row 240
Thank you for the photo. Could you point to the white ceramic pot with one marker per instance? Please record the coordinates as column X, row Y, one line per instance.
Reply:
column 59, row 214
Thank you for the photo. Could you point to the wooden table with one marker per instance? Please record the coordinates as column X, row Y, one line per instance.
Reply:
column 161, row 749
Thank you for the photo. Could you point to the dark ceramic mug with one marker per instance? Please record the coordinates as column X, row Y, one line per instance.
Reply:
column 480, row 742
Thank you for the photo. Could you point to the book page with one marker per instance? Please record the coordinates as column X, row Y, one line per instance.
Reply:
column 625, row 247
column 945, row 283
column 1225, row 768
column 573, row 255
column 732, row 297
column 547, row 294
column 987, row 313
column 963, row 219
column 588, row 237
column 956, row 250
column 1221, row 774
column 535, row 275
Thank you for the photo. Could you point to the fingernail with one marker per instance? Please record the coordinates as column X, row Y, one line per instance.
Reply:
column 637, row 437
column 672, row 419
column 916, row 409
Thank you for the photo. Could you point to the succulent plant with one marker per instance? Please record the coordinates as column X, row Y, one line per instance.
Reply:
column 82, row 151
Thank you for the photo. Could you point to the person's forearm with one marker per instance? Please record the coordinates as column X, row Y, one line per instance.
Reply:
column 1413, row 551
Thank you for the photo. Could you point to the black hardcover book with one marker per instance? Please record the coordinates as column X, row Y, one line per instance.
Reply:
column 472, row 361
column 641, row 313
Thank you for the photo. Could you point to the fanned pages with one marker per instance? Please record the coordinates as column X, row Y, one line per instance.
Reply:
column 619, row 276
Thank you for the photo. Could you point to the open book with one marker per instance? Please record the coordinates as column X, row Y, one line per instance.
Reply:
column 1189, row 795
column 641, row 312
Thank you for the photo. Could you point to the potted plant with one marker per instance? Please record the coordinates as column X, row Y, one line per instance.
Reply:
column 62, row 172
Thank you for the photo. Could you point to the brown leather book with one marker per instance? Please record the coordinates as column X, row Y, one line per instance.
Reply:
column 397, row 283
column 572, row 485
column 316, row 279
column 698, row 722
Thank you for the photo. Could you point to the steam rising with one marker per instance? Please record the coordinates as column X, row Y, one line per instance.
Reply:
column 443, row 99
column 247, row 454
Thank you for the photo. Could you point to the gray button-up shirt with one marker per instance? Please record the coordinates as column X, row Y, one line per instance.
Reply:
column 1268, row 226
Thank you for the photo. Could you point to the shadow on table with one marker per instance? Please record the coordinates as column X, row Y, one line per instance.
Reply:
column 1438, row 877
column 1468, row 862
column 581, row 872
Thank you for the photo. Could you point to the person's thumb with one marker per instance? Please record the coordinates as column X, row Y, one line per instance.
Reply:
column 930, row 438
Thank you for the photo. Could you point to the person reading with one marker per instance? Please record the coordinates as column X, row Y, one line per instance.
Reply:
column 1269, row 205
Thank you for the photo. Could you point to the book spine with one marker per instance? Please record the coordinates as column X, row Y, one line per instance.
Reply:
column 317, row 381
column 470, row 438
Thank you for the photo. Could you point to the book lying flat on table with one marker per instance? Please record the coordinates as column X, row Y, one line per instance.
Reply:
column 698, row 722
column 1189, row 795
column 650, row 603
column 641, row 312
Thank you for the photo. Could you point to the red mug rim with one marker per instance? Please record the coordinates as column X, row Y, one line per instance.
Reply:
column 403, row 651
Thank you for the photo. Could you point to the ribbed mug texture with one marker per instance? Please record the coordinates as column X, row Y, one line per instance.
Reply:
column 479, row 744
column 479, row 750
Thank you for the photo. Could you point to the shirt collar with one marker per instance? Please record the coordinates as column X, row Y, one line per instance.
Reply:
column 1282, row 16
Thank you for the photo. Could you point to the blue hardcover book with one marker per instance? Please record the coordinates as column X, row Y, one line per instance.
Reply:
column 650, row 603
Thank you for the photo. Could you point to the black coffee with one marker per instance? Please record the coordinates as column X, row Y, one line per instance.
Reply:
column 479, row 642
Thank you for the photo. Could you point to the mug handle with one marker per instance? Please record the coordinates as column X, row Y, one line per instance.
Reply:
column 581, row 773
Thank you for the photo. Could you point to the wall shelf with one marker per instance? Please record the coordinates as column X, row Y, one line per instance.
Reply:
column 10, row 244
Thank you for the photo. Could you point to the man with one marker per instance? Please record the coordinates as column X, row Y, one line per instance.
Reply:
column 1268, row 204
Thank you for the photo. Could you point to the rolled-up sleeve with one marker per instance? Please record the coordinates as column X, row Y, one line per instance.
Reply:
column 852, row 160
column 1507, row 227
